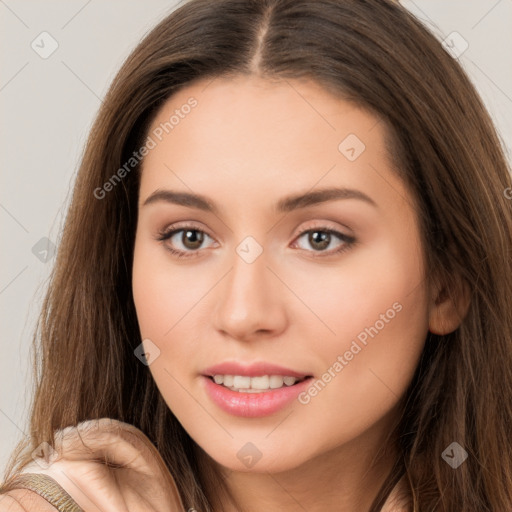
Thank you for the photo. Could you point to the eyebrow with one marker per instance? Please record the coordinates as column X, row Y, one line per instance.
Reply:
column 284, row 205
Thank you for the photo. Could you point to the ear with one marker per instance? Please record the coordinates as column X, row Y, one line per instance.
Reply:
column 448, row 306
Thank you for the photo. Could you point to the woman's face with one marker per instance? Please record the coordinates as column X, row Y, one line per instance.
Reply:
column 276, row 269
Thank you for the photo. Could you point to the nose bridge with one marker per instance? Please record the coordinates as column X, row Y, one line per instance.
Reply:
column 248, row 278
column 248, row 300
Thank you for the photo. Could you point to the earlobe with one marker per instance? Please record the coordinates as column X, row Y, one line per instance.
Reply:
column 448, row 309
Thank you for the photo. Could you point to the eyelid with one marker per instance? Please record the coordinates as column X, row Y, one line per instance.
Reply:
column 178, row 226
column 169, row 231
column 323, row 226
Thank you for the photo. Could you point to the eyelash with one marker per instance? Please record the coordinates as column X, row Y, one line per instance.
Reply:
column 169, row 232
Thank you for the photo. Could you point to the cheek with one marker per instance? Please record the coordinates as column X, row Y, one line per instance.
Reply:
column 369, row 365
column 162, row 292
column 377, row 307
column 163, row 296
column 164, row 301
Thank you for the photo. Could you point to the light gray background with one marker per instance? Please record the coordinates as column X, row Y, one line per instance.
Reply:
column 48, row 106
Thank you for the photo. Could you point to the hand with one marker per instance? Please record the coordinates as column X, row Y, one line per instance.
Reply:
column 108, row 465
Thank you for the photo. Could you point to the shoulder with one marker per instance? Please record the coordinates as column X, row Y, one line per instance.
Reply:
column 24, row 500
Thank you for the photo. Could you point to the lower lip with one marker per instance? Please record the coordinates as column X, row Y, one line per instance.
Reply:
column 253, row 405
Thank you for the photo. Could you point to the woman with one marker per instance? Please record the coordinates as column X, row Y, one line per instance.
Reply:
column 285, row 276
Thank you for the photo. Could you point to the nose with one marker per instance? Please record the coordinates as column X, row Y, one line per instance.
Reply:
column 250, row 301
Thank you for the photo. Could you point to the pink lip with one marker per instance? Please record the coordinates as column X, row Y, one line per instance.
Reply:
column 251, row 370
column 251, row 405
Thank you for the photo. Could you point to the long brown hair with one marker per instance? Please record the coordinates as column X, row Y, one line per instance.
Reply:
column 444, row 145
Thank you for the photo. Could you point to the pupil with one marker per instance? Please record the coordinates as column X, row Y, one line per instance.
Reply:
column 323, row 239
column 193, row 237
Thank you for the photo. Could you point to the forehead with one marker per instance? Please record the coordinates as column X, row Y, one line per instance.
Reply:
column 265, row 136
column 287, row 108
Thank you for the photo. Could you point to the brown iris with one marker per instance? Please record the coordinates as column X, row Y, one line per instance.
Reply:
column 193, row 237
column 319, row 237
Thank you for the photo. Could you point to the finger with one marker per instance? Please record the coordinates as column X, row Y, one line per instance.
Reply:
column 112, row 442
column 118, row 444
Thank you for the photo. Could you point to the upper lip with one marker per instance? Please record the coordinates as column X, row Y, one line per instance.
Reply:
column 251, row 369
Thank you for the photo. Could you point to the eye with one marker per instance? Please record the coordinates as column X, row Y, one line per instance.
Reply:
column 189, row 237
column 322, row 237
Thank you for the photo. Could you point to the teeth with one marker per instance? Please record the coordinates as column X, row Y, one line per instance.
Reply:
column 260, row 382
column 254, row 384
column 241, row 382
column 289, row 381
column 276, row 381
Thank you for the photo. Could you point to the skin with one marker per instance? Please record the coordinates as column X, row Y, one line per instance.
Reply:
column 247, row 144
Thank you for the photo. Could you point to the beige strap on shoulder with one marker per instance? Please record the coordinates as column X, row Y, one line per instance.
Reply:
column 46, row 487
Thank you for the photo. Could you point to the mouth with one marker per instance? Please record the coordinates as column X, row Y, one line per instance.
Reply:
column 240, row 398
column 256, row 384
